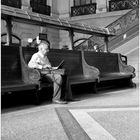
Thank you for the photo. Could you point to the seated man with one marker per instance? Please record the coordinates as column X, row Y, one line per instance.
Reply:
column 40, row 61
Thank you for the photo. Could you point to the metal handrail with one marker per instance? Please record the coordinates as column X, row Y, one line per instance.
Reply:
column 109, row 26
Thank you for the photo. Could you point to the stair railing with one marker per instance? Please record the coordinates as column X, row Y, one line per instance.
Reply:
column 119, row 26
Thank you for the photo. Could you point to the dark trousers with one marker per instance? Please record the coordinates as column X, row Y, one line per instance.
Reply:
column 60, row 86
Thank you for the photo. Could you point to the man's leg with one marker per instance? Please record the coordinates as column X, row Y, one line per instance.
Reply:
column 66, row 93
column 57, row 82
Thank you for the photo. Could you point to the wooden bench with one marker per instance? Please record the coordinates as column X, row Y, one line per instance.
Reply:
column 11, row 72
column 81, row 67
column 76, row 72
column 113, row 70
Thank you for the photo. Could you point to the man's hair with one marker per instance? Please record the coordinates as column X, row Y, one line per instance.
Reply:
column 43, row 43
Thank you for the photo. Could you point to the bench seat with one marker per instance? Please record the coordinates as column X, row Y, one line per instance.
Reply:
column 16, row 86
column 114, row 75
column 81, row 79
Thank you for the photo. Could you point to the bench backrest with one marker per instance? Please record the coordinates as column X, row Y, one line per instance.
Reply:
column 28, row 52
column 105, row 62
column 10, row 64
column 72, row 59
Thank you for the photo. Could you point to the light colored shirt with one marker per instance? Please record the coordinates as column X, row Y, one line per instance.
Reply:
column 38, row 61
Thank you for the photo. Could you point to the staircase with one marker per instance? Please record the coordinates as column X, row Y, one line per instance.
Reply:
column 125, row 28
column 124, row 38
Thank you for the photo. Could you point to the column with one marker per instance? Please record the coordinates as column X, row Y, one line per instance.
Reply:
column 60, row 8
column 71, row 35
column 26, row 5
column 101, row 6
column 9, row 31
column 106, row 44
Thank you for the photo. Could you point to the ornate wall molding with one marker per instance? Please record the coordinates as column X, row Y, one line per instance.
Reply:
column 123, row 23
column 94, row 43
column 83, row 9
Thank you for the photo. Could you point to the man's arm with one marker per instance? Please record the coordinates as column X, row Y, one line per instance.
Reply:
column 34, row 62
column 47, row 66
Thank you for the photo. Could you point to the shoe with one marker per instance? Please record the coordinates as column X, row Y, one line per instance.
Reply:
column 59, row 102
column 72, row 100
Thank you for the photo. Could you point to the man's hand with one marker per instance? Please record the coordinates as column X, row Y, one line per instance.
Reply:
column 54, row 68
column 47, row 66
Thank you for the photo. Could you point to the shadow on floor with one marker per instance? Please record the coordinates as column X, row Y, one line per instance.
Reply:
column 26, row 99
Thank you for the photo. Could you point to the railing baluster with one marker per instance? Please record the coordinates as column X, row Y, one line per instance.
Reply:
column 83, row 10
column 122, row 4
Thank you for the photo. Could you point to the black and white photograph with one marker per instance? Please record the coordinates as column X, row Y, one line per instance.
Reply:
column 69, row 69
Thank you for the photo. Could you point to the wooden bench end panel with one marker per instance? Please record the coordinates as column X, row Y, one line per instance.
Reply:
column 29, row 75
column 89, row 71
column 125, row 68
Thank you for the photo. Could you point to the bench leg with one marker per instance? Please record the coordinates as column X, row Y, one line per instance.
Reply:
column 95, row 87
column 68, row 95
column 132, row 84
column 37, row 101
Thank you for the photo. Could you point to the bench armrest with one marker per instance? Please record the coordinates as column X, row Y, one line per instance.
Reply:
column 89, row 71
column 53, row 71
column 29, row 75
column 125, row 68
column 124, row 59
column 32, row 75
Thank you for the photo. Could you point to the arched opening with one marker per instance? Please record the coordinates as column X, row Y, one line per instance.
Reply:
column 16, row 41
column 87, row 44
column 78, row 43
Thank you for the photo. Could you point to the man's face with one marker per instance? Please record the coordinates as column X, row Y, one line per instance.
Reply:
column 45, row 49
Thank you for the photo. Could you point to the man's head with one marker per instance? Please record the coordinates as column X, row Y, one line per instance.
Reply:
column 44, row 47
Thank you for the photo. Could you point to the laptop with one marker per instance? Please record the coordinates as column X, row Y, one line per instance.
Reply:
column 60, row 64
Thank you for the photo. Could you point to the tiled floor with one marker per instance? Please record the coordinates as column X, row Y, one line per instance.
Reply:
column 108, row 115
column 109, row 123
